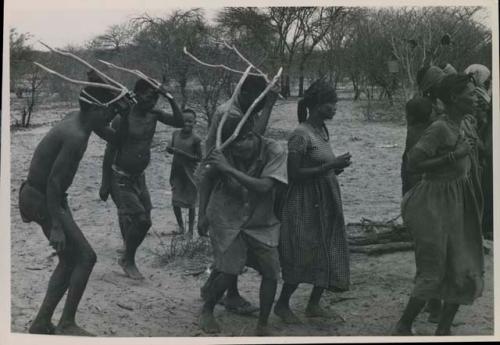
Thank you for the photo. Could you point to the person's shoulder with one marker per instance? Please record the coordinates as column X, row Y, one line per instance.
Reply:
column 228, row 105
column 69, row 133
column 302, row 130
column 439, row 125
column 196, row 138
column 272, row 147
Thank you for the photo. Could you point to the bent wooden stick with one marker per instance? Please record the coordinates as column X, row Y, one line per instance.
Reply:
column 235, row 94
column 88, row 98
column 79, row 82
column 85, row 63
column 215, row 66
column 248, row 62
column 233, row 48
column 249, row 111
column 156, row 84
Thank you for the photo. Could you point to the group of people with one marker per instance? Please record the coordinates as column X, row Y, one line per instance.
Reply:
column 275, row 210
column 447, row 190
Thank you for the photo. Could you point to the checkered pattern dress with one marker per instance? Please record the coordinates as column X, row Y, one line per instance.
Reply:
column 313, row 244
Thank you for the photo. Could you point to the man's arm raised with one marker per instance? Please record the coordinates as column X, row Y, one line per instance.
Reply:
column 175, row 120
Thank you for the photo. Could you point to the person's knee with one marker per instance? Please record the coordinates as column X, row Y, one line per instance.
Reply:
column 88, row 257
column 143, row 222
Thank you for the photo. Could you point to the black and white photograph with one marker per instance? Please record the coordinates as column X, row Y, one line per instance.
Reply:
column 236, row 172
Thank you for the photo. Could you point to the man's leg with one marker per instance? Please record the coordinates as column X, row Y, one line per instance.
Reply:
column 282, row 307
column 115, row 196
column 178, row 217
column 58, row 284
column 217, row 288
column 84, row 259
column 434, row 307
column 264, row 259
column 32, row 206
column 411, row 311
column 267, row 293
column 204, row 290
column 235, row 303
column 448, row 314
column 192, row 216
column 136, row 230
column 138, row 203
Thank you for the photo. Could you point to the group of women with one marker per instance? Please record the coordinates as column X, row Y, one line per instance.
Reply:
column 447, row 196
column 445, row 179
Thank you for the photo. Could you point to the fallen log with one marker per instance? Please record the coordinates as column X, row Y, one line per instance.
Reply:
column 368, row 233
column 377, row 249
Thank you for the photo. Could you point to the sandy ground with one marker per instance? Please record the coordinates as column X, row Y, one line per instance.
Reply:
column 167, row 303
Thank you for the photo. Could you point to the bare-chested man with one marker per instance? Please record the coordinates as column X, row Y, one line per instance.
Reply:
column 125, row 161
column 42, row 199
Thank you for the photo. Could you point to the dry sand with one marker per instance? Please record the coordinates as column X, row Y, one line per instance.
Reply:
column 167, row 303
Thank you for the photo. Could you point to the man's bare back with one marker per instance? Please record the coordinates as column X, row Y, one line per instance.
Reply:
column 42, row 199
column 66, row 133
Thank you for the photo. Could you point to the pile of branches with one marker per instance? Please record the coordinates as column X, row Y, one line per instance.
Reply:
column 375, row 237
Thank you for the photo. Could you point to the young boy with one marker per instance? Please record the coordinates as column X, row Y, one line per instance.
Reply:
column 43, row 199
column 239, row 214
column 186, row 148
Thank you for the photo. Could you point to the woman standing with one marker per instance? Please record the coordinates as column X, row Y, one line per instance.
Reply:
column 420, row 113
column 443, row 214
column 313, row 245
column 483, row 115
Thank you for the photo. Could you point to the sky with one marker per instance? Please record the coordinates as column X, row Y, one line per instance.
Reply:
column 59, row 28
column 73, row 22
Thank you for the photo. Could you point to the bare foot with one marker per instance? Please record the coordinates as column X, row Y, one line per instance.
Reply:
column 72, row 329
column 434, row 317
column 286, row 315
column 122, row 249
column 39, row 327
column 443, row 332
column 208, row 324
column 402, row 330
column 262, row 331
column 238, row 305
column 317, row 311
column 180, row 230
column 130, row 270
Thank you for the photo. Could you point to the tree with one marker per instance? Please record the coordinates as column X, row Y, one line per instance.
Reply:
column 35, row 80
column 20, row 56
column 316, row 23
column 26, row 78
column 276, row 30
column 162, row 41
column 115, row 38
column 432, row 35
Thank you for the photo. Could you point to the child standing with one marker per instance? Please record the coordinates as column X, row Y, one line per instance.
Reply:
column 186, row 148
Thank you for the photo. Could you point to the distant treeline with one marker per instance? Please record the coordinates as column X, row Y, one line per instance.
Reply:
column 367, row 48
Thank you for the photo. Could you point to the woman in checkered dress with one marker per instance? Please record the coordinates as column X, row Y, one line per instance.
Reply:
column 313, row 244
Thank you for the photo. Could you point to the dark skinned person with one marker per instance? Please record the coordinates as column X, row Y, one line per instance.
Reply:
column 250, row 90
column 443, row 214
column 240, row 217
column 43, row 200
column 124, row 164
